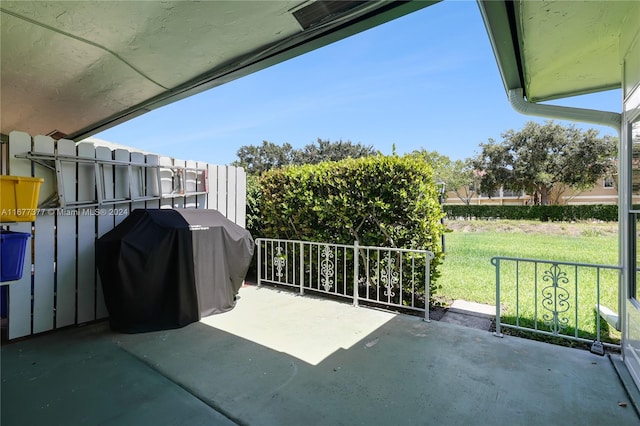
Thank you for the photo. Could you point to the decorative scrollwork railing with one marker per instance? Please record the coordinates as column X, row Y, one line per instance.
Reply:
column 377, row 275
column 556, row 298
column 389, row 275
column 279, row 261
column 327, row 270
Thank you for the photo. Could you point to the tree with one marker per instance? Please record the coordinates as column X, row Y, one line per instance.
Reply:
column 463, row 180
column 438, row 162
column 541, row 158
column 258, row 159
column 457, row 176
column 325, row 150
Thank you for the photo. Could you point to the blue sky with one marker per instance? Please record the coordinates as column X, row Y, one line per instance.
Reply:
column 427, row 80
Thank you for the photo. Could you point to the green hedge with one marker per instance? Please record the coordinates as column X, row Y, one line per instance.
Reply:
column 555, row 213
column 385, row 201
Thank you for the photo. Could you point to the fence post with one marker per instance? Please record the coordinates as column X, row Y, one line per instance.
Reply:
column 597, row 304
column 427, row 286
column 258, row 246
column 301, row 268
column 356, row 269
column 496, row 262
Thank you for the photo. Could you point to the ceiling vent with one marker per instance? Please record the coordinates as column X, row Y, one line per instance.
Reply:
column 319, row 12
column 57, row 134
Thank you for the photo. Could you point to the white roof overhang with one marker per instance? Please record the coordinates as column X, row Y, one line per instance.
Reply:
column 557, row 49
column 75, row 68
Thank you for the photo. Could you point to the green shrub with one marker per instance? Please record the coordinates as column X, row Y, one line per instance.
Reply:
column 554, row 213
column 385, row 201
column 254, row 194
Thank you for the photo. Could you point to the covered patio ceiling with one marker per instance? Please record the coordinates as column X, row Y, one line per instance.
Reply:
column 557, row 49
column 71, row 69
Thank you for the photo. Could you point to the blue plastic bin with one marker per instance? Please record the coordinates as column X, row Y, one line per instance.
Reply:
column 13, row 246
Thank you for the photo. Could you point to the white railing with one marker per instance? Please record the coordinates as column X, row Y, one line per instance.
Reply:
column 554, row 298
column 393, row 277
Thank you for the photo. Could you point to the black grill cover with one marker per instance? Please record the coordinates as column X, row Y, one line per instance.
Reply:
column 163, row 268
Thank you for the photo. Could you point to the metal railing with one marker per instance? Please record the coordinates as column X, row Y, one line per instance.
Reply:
column 383, row 276
column 554, row 298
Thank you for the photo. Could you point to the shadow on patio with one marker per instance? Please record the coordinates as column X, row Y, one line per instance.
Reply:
column 281, row 359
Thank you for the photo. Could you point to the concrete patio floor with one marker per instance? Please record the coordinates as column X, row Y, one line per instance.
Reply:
column 281, row 359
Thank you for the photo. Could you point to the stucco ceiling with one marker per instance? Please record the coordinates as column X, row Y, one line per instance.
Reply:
column 80, row 67
column 555, row 49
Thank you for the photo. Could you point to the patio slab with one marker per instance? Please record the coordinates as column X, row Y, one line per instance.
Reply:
column 80, row 377
column 470, row 314
column 282, row 359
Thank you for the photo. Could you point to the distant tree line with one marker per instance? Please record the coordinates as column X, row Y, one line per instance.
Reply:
column 258, row 159
column 539, row 160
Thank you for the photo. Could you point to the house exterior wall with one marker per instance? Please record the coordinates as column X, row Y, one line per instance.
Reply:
column 598, row 194
column 484, row 200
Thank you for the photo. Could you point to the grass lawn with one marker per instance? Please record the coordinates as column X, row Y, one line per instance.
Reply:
column 467, row 272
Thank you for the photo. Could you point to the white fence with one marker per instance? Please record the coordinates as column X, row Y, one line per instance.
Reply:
column 63, row 287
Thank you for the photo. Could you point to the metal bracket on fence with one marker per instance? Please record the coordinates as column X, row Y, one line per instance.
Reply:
column 597, row 348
